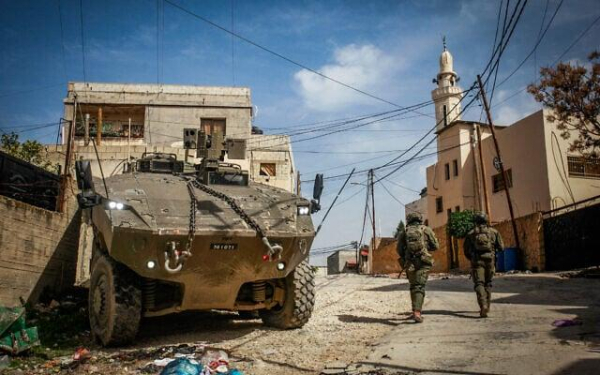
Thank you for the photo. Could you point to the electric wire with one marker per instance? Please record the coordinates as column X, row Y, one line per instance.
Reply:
column 279, row 55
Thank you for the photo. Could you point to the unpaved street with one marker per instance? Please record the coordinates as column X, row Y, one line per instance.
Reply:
column 361, row 320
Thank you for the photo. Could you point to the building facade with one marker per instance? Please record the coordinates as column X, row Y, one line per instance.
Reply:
column 542, row 173
column 126, row 120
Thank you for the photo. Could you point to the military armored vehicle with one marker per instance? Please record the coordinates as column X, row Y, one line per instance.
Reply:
column 170, row 236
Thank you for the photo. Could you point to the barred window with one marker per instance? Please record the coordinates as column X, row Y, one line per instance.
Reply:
column 268, row 169
column 580, row 166
column 498, row 181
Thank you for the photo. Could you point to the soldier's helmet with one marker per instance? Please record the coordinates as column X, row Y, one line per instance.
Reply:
column 414, row 217
column 480, row 217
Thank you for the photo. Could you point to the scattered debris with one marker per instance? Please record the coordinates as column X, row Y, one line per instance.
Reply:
column 182, row 366
column 567, row 323
column 15, row 337
column 81, row 354
column 4, row 361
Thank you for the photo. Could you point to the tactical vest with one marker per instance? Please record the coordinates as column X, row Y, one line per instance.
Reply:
column 415, row 239
column 483, row 239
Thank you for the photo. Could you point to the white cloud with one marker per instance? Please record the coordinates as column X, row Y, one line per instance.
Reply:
column 365, row 67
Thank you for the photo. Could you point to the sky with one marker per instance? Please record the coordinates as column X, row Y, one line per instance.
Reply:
column 389, row 49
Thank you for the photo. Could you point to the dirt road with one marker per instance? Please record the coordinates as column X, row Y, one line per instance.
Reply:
column 518, row 338
column 362, row 320
column 348, row 318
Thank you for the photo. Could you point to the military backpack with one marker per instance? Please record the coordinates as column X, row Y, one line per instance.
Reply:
column 483, row 240
column 415, row 239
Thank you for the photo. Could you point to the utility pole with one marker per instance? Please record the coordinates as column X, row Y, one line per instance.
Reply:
column 502, row 170
column 372, row 248
column 483, row 175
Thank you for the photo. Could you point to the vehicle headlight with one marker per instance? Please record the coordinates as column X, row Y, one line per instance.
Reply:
column 115, row 205
column 303, row 210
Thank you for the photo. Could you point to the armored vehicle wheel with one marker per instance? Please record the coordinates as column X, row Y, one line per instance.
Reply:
column 299, row 300
column 115, row 302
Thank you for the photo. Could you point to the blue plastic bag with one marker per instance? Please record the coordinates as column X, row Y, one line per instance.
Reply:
column 182, row 366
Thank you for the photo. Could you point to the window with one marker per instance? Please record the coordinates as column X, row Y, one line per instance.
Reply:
column 455, row 167
column 457, row 209
column 268, row 169
column 211, row 125
column 447, row 171
column 580, row 166
column 498, row 181
column 439, row 205
column 449, row 212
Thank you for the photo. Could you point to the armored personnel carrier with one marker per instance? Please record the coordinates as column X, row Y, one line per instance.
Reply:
column 170, row 236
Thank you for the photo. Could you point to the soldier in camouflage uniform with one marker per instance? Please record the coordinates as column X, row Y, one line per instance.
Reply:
column 414, row 244
column 481, row 245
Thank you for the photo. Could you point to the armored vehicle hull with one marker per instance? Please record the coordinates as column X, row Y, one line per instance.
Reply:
column 165, row 243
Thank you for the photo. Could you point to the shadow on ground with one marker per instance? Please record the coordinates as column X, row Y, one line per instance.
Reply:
column 211, row 327
column 577, row 297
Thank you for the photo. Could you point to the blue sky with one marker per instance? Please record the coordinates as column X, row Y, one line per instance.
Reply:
column 387, row 48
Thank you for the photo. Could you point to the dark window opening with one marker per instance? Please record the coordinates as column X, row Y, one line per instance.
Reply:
column 580, row 166
column 457, row 209
column 439, row 205
column 498, row 181
column 447, row 171
column 449, row 212
column 268, row 169
column 455, row 167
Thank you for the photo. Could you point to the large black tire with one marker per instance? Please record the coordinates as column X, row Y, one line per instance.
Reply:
column 299, row 300
column 115, row 302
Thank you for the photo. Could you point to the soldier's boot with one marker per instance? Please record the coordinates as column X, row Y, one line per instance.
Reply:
column 417, row 316
column 483, row 309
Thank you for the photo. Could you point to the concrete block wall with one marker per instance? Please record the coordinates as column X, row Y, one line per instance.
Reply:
column 38, row 250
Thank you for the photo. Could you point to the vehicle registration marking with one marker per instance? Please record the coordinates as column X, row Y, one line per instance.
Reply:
column 223, row 246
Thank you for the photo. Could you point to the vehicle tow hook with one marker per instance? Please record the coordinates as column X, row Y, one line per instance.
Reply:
column 178, row 257
column 272, row 250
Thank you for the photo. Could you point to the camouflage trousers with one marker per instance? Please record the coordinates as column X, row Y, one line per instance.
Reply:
column 482, row 272
column 417, row 272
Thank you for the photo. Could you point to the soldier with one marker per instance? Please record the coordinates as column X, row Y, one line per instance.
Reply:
column 414, row 245
column 481, row 245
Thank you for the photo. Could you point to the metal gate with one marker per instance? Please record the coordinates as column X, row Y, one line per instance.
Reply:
column 572, row 239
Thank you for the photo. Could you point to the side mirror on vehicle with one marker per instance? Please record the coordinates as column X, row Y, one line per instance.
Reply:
column 88, row 197
column 83, row 173
column 315, row 203
column 318, row 187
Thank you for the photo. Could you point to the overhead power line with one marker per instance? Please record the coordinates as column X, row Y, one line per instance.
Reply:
column 82, row 40
column 279, row 55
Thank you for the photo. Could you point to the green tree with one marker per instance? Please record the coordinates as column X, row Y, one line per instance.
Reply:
column 30, row 151
column 572, row 91
column 399, row 229
column 460, row 223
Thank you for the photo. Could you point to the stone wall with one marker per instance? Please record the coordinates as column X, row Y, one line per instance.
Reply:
column 38, row 250
column 531, row 236
column 385, row 256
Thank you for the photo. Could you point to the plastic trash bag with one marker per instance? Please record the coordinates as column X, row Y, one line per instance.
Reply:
column 182, row 366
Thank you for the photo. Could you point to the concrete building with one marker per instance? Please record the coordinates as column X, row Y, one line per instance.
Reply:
column 543, row 173
column 341, row 261
column 419, row 206
column 137, row 118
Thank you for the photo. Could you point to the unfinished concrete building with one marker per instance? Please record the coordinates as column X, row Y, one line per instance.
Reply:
column 126, row 120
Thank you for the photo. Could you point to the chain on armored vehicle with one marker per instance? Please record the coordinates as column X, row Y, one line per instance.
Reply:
column 171, row 237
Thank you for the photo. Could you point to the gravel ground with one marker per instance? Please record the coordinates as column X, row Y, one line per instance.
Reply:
column 348, row 319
